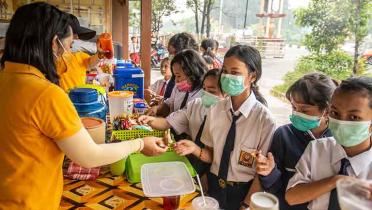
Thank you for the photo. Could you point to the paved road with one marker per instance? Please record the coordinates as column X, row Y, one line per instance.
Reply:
column 273, row 71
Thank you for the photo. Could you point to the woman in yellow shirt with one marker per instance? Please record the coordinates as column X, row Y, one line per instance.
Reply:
column 72, row 67
column 38, row 123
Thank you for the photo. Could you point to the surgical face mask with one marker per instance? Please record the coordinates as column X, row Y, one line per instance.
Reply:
column 208, row 99
column 349, row 133
column 232, row 85
column 304, row 122
column 184, row 86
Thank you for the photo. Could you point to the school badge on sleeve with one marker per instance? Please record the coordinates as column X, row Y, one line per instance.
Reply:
column 247, row 158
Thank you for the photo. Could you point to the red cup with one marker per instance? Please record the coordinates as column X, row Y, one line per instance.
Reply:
column 105, row 40
column 171, row 203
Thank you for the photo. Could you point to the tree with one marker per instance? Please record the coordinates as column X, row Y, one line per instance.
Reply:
column 161, row 9
column 329, row 23
column 194, row 5
column 359, row 26
column 205, row 13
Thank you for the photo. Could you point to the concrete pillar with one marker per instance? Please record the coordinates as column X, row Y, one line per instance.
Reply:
column 278, row 35
column 268, row 19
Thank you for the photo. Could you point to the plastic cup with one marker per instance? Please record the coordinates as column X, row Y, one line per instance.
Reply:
column 354, row 194
column 105, row 40
column 264, row 201
column 171, row 202
column 198, row 203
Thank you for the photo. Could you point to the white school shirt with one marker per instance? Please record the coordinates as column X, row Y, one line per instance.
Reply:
column 174, row 102
column 157, row 86
column 254, row 131
column 322, row 159
column 190, row 119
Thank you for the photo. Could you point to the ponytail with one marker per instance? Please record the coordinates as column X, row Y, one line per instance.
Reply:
column 257, row 93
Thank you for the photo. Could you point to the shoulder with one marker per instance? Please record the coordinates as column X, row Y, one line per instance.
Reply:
column 81, row 56
column 263, row 113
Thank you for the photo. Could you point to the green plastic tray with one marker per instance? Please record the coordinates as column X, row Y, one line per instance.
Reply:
column 135, row 161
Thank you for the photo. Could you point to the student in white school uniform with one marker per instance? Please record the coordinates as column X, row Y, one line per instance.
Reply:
column 347, row 155
column 192, row 119
column 188, row 68
column 235, row 130
column 156, row 91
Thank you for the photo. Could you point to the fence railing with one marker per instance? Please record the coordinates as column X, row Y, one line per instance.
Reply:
column 267, row 47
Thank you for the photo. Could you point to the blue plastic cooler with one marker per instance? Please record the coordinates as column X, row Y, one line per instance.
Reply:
column 130, row 78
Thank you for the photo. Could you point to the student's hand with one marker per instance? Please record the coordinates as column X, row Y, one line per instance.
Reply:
column 264, row 165
column 153, row 146
column 145, row 119
column 185, row 147
column 152, row 111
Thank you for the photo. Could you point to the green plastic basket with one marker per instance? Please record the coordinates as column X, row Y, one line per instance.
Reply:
column 133, row 134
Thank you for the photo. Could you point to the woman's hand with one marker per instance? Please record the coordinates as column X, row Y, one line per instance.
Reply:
column 145, row 119
column 264, row 165
column 153, row 146
column 185, row 147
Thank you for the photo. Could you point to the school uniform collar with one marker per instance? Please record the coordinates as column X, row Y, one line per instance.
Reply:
column 21, row 68
column 359, row 162
column 245, row 108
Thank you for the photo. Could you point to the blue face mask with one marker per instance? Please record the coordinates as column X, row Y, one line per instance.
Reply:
column 209, row 99
column 232, row 85
column 349, row 133
column 304, row 122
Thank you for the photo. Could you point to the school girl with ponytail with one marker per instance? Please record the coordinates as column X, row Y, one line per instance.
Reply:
column 236, row 129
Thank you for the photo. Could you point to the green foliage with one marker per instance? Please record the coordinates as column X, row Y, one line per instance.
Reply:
column 337, row 65
column 161, row 9
column 329, row 24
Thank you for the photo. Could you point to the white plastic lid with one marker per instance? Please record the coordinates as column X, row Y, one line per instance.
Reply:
column 166, row 179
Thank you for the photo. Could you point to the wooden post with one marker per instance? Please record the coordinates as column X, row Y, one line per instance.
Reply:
column 117, row 24
column 146, row 40
column 125, row 31
column 268, row 20
column 108, row 16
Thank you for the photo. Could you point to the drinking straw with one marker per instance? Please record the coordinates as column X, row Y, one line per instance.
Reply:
column 201, row 189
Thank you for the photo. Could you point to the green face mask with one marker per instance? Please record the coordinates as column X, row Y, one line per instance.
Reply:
column 304, row 122
column 208, row 99
column 349, row 133
column 232, row 85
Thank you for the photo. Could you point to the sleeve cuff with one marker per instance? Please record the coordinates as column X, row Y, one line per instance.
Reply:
column 269, row 180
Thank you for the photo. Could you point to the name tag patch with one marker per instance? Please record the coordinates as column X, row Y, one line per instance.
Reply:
column 247, row 158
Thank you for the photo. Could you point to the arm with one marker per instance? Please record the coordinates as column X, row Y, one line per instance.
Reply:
column 155, row 122
column 81, row 149
column 303, row 193
column 255, row 187
column 186, row 147
column 163, row 110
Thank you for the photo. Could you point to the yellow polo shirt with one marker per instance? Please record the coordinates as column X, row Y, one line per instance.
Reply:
column 72, row 69
column 34, row 113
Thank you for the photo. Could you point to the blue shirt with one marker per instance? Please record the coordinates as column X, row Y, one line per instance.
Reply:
column 287, row 147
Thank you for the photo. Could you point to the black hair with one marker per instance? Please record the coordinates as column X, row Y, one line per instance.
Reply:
column 208, row 59
column 209, row 45
column 30, row 35
column 214, row 73
column 164, row 60
column 252, row 59
column 315, row 89
column 192, row 64
column 183, row 41
column 358, row 84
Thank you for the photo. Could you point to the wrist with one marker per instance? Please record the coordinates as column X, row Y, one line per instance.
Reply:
column 141, row 144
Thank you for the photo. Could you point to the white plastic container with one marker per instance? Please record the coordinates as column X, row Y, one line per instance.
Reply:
column 211, row 203
column 354, row 194
column 96, row 128
column 120, row 102
column 264, row 201
column 166, row 179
